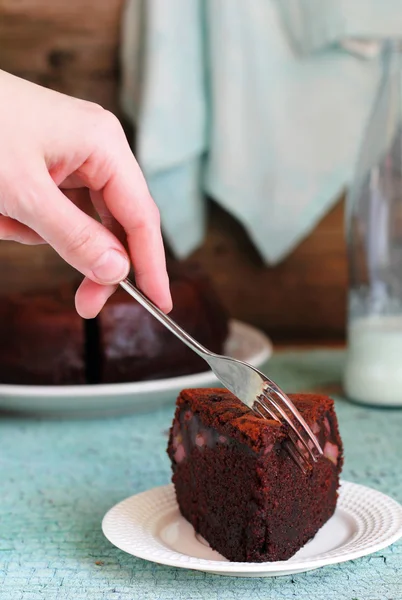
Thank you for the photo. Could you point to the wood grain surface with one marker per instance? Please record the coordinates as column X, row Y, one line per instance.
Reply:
column 71, row 46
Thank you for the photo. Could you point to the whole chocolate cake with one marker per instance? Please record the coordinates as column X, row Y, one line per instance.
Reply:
column 236, row 483
column 44, row 341
column 135, row 346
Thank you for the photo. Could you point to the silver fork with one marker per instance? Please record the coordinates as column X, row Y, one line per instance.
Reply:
column 251, row 386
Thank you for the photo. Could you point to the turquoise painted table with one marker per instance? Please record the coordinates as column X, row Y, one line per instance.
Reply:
column 57, row 479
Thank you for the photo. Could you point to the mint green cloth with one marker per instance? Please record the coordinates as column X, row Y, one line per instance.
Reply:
column 256, row 103
column 318, row 24
column 59, row 478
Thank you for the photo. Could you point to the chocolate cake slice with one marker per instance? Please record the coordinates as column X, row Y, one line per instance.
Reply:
column 236, row 483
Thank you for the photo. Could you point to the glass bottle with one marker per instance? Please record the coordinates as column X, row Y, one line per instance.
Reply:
column 373, row 372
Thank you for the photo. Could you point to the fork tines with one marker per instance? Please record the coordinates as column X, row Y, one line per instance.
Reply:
column 274, row 404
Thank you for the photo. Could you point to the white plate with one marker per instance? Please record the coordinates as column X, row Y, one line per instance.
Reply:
column 244, row 342
column 150, row 526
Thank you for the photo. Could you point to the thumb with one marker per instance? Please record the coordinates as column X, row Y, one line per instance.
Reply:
column 83, row 242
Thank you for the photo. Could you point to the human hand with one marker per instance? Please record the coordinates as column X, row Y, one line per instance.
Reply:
column 59, row 156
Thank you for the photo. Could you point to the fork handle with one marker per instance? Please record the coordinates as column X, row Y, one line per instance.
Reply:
column 156, row 312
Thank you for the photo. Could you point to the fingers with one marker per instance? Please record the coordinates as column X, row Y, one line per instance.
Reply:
column 141, row 222
column 80, row 197
column 79, row 239
column 67, row 140
column 113, row 169
column 106, row 216
column 17, row 232
column 91, row 297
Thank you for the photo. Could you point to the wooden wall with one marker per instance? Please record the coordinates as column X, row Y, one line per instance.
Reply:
column 68, row 45
column 73, row 47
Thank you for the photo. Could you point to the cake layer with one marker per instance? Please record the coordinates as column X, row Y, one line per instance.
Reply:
column 236, row 483
column 42, row 339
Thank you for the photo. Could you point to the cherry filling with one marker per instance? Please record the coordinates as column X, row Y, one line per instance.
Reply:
column 325, row 438
column 331, row 451
column 189, row 432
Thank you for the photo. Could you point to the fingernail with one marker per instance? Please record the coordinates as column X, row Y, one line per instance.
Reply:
column 112, row 267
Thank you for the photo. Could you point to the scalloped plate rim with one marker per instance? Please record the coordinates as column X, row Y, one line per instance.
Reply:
column 244, row 569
